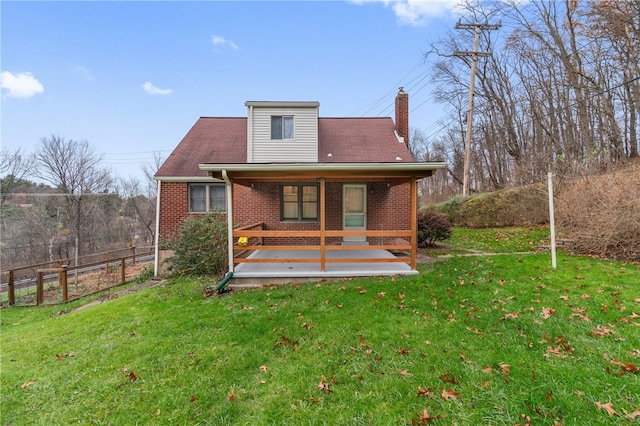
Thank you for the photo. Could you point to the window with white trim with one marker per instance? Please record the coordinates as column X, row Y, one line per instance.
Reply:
column 282, row 127
column 299, row 202
column 207, row 197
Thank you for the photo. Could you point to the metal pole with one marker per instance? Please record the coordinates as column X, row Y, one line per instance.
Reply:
column 552, row 225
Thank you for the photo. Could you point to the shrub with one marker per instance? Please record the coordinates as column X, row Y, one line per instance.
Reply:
column 200, row 247
column 432, row 227
column 601, row 214
column 521, row 206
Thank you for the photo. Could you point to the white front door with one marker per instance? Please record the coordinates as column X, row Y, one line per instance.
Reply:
column 354, row 208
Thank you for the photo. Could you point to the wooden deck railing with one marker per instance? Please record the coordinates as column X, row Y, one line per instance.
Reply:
column 255, row 235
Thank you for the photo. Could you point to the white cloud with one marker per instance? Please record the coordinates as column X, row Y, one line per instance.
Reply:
column 416, row 12
column 221, row 41
column 153, row 90
column 20, row 85
column 84, row 72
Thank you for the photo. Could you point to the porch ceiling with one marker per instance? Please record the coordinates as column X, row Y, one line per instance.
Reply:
column 311, row 171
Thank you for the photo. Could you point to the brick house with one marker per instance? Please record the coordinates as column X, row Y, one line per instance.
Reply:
column 304, row 195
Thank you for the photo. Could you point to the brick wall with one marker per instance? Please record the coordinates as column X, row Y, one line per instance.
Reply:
column 387, row 208
column 174, row 207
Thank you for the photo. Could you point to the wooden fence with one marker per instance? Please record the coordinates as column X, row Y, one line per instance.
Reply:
column 52, row 282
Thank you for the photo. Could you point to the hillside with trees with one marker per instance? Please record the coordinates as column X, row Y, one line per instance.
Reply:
column 60, row 201
column 558, row 89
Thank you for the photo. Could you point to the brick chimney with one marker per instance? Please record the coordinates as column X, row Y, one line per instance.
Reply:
column 402, row 115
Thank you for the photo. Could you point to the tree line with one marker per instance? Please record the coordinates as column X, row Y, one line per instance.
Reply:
column 61, row 201
column 559, row 92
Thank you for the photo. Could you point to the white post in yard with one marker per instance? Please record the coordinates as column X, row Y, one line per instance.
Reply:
column 552, row 225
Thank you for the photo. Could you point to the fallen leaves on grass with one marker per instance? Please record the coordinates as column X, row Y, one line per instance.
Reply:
column 560, row 351
column 600, row 331
column 63, row 356
column 287, row 342
column 448, row 379
column 547, row 312
column 449, row 394
column 403, row 351
column 27, row 384
column 626, row 367
column 634, row 415
column 325, row 386
column 608, row 407
column 427, row 393
column 510, row 315
column 231, row 395
column 424, row 418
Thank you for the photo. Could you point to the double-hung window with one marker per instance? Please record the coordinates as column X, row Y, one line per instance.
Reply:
column 207, row 197
column 282, row 127
column 299, row 202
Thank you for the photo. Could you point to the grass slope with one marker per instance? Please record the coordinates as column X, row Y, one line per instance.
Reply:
column 500, row 340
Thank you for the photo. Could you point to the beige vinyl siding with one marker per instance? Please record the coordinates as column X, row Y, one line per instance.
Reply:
column 304, row 146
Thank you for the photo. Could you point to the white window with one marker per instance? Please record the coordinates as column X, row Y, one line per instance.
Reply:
column 282, row 127
column 207, row 197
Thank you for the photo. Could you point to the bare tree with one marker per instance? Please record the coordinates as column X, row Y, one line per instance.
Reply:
column 75, row 169
column 139, row 197
column 561, row 89
column 13, row 166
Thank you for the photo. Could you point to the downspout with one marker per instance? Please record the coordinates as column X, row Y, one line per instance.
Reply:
column 229, row 187
column 157, row 236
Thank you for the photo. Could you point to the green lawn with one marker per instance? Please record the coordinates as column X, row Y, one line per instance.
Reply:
column 499, row 340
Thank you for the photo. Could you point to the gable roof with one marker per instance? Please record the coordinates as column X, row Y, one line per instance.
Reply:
column 220, row 140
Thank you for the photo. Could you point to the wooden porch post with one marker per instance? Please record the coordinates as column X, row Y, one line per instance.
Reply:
column 323, row 259
column 414, row 223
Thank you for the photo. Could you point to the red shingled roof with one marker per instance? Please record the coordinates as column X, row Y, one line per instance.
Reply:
column 218, row 140
column 360, row 140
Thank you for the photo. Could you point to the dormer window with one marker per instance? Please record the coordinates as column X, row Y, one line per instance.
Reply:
column 281, row 127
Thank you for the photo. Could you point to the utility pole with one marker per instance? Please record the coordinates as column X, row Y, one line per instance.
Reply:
column 477, row 27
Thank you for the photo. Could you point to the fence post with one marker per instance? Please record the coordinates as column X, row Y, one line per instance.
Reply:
column 11, row 288
column 62, row 274
column 40, row 288
column 106, row 262
column 123, row 275
column 133, row 250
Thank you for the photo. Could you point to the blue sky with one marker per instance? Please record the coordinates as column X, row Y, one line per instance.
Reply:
column 133, row 77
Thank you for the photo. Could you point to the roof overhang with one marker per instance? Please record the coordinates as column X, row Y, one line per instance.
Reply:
column 283, row 104
column 308, row 171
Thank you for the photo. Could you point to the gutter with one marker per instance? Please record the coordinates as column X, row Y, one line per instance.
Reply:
column 156, row 263
column 229, row 187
